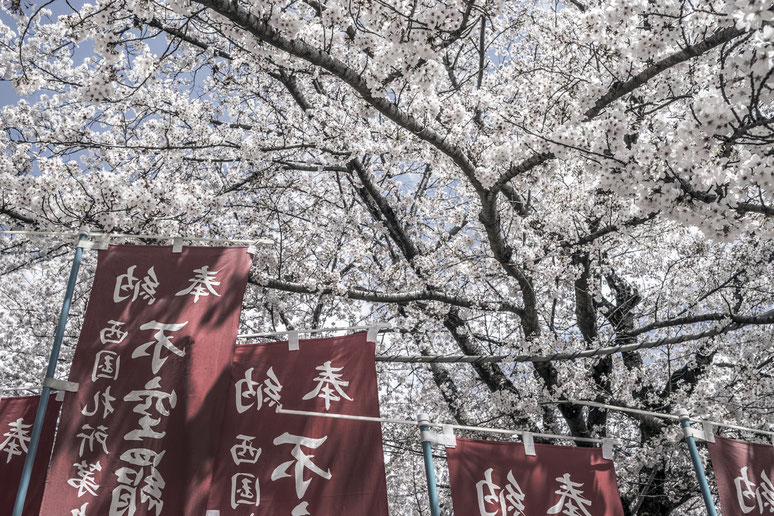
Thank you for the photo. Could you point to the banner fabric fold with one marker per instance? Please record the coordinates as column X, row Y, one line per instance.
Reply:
column 744, row 473
column 17, row 415
column 278, row 464
column 152, row 362
column 490, row 478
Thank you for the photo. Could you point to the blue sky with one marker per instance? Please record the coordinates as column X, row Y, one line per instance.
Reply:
column 7, row 94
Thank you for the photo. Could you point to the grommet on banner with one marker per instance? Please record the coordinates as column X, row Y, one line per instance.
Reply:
column 607, row 448
column 177, row 245
column 212, row 512
column 709, row 433
column 529, row 443
column 60, row 385
column 293, row 341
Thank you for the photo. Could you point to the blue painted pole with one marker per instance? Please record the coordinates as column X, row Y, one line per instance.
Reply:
column 697, row 467
column 427, row 452
column 37, row 428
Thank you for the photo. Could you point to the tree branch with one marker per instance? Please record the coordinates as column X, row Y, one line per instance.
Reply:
column 295, row 47
column 388, row 297
column 18, row 217
column 619, row 89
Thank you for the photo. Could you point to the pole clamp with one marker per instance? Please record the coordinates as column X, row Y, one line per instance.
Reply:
column 60, row 385
column 445, row 438
column 100, row 243
column 698, row 435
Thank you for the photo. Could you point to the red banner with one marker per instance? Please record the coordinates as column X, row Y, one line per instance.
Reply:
column 152, row 362
column 17, row 416
column 744, row 473
column 273, row 464
column 498, row 479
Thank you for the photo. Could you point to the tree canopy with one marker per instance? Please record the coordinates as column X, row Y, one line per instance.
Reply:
column 488, row 177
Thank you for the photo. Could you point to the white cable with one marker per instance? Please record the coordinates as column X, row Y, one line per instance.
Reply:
column 735, row 427
column 310, row 330
column 70, row 234
column 21, row 388
column 348, row 416
column 438, row 425
column 521, row 432
column 263, row 241
column 662, row 415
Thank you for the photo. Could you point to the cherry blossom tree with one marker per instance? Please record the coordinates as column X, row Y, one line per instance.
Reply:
column 488, row 177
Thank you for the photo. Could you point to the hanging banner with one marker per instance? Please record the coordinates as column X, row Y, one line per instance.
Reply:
column 17, row 416
column 498, row 479
column 152, row 362
column 273, row 464
column 744, row 473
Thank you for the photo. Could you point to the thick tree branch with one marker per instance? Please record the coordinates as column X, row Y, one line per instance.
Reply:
column 743, row 131
column 521, row 168
column 295, row 47
column 619, row 89
column 387, row 297
column 490, row 373
column 742, row 208
column 764, row 318
column 586, row 318
column 18, row 217
column 612, row 228
column 397, row 232
column 747, row 207
column 490, row 219
column 184, row 36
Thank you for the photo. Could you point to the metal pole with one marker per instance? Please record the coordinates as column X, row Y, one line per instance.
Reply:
column 697, row 467
column 32, row 448
column 427, row 452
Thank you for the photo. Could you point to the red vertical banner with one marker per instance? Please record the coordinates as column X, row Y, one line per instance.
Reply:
column 17, row 416
column 491, row 478
column 153, row 364
column 744, row 473
column 274, row 464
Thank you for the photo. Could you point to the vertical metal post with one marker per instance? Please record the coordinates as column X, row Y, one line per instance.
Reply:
column 697, row 467
column 427, row 452
column 32, row 447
